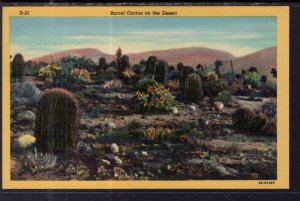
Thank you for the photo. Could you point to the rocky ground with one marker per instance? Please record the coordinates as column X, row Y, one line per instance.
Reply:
column 113, row 147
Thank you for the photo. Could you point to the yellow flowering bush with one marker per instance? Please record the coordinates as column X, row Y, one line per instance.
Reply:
column 212, row 76
column 157, row 98
column 50, row 71
column 81, row 74
column 173, row 84
column 157, row 133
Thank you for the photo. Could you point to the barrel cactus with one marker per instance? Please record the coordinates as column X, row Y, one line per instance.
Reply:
column 151, row 64
column 57, row 121
column 184, row 74
column 246, row 119
column 193, row 88
column 17, row 67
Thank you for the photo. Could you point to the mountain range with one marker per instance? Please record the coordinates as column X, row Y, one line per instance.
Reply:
column 264, row 60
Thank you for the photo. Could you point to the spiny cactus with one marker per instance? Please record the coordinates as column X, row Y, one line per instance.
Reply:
column 161, row 72
column 57, row 121
column 17, row 67
column 184, row 74
column 151, row 64
column 193, row 88
column 246, row 119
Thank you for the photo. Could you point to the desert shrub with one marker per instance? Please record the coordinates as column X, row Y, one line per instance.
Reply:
column 156, row 99
column 91, row 94
column 193, row 88
column 134, row 125
column 252, row 78
column 246, row 119
column 81, row 75
column 35, row 162
column 173, row 85
column 142, row 85
column 271, row 128
column 212, row 76
column 269, row 108
column 112, row 86
column 50, row 71
column 79, row 62
column 25, row 93
column 102, row 77
column 57, row 119
column 213, row 88
column 223, row 96
column 126, row 75
column 158, row 133
column 133, row 80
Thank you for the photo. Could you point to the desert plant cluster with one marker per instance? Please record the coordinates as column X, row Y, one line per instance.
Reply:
column 113, row 120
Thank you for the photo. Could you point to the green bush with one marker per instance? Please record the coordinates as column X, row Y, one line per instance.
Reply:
column 142, row 85
column 252, row 78
column 223, row 96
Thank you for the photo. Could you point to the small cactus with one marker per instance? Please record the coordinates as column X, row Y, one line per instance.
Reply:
column 184, row 74
column 17, row 67
column 193, row 88
column 57, row 121
column 246, row 119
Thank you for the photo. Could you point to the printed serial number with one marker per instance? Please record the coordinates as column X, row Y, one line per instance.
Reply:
column 266, row 182
column 26, row 12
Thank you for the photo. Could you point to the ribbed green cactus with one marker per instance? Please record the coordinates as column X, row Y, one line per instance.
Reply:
column 17, row 67
column 193, row 88
column 184, row 74
column 151, row 64
column 161, row 72
column 57, row 121
column 246, row 119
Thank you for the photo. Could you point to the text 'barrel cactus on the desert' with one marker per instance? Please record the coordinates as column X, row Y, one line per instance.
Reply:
column 57, row 121
column 193, row 88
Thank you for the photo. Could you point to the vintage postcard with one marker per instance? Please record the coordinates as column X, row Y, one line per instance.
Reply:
column 149, row 97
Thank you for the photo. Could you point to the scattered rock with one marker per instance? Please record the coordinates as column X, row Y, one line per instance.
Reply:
column 120, row 96
column 227, row 131
column 114, row 148
column 168, row 167
column 213, row 167
column 118, row 160
column 144, row 154
column 23, row 142
column 119, row 173
column 105, row 162
column 192, row 107
column 219, row 105
column 174, row 110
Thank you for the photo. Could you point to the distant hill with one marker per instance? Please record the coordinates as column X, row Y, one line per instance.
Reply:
column 264, row 60
column 92, row 53
column 188, row 56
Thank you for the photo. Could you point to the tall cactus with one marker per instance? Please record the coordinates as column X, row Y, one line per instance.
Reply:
column 17, row 67
column 151, row 64
column 161, row 72
column 184, row 74
column 193, row 88
column 57, row 121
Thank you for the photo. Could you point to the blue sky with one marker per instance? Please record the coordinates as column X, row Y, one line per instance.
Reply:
column 35, row 37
